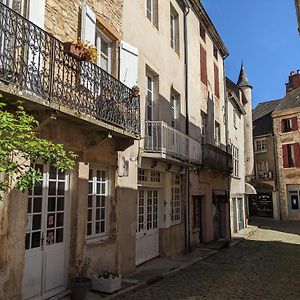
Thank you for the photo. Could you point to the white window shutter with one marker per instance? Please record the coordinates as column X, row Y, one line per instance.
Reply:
column 36, row 13
column 88, row 24
column 128, row 64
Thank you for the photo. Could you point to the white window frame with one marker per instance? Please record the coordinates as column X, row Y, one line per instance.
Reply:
column 236, row 162
column 150, row 97
column 260, row 145
column 175, row 200
column 101, row 235
column 217, row 134
column 100, row 37
column 174, row 29
column 265, row 162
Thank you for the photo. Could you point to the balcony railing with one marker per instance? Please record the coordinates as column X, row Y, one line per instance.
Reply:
column 216, row 159
column 35, row 62
column 169, row 142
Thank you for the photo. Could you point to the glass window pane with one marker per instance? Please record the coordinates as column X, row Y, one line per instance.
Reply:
column 50, row 220
column 37, row 204
column 97, row 227
column 38, row 189
column 90, row 201
column 104, row 47
column 104, row 63
column 27, row 241
column 89, row 228
column 52, row 173
column 35, row 239
column 51, row 204
column 29, row 205
column 61, row 188
column 61, row 175
column 60, row 219
column 50, row 237
column 36, row 222
column 59, row 235
column 52, row 188
column 60, row 203
column 89, row 215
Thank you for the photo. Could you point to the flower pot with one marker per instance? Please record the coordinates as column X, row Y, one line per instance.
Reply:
column 104, row 285
column 75, row 51
column 80, row 289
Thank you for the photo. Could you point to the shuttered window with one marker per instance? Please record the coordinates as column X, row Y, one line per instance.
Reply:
column 203, row 65
column 217, row 83
column 290, row 124
column 291, row 155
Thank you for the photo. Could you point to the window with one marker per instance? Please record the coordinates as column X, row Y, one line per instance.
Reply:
column 103, row 45
column 155, row 176
column 142, row 175
column 175, row 109
column 97, row 203
column 290, row 124
column 260, row 145
column 215, row 52
column 152, row 11
column 294, row 198
column 234, row 118
column 291, row 155
column 176, row 200
column 150, row 97
column 216, row 80
column 174, row 29
column 202, row 33
column 217, row 134
column 203, row 126
column 262, row 170
column 235, row 157
column 203, row 65
column 196, row 213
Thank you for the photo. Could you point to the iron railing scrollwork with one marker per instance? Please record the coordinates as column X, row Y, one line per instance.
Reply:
column 35, row 61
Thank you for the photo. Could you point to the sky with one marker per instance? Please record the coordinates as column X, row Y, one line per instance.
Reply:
column 263, row 34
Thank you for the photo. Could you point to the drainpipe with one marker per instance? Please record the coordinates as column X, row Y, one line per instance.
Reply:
column 187, row 171
column 226, row 138
column 276, row 176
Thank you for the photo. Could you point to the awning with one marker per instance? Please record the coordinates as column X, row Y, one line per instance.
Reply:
column 249, row 189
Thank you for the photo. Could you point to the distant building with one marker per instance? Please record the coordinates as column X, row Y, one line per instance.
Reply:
column 286, row 130
column 297, row 4
column 265, row 203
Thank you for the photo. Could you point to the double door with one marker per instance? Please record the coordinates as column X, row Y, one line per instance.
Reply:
column 147, row 233
column 45, row 242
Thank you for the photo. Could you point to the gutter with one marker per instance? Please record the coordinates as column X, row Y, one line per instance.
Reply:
column 187, row 171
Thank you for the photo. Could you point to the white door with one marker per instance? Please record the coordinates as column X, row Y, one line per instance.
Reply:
column 45, row 243
column 147, row 235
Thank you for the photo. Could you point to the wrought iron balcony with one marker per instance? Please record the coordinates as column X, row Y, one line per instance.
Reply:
column 33, row 62
column 163, row 141
column 216, row 159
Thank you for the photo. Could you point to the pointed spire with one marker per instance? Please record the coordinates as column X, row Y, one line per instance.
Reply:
column 243, row 79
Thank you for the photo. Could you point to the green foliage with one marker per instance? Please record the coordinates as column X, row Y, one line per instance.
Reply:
column 21, row 147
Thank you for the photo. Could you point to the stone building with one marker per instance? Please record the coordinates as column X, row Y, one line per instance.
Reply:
column 286, row 131
column 266, row 202
column 239, row 102
column 183, row 167
column 84, row 212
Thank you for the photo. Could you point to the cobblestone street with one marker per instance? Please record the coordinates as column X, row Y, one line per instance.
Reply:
column 266, row 266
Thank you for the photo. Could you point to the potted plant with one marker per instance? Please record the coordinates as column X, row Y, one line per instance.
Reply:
column 80, row 283
column 107, row 281
column 81, row 50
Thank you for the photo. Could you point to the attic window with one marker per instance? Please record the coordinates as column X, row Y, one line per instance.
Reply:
column 202, row 32
column 290, row 124
column 215, row 52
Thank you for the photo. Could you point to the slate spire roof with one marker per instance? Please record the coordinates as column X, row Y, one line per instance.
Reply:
column 243, row 79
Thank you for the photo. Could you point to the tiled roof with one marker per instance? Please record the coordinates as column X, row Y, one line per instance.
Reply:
column 291, row 100
column 264, row 108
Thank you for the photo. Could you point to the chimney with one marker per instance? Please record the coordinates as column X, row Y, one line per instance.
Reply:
column 294, row 81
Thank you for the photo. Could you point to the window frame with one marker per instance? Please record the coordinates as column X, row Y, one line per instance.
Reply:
column 100, row 37
column 174, row 29
column 217, row 134
column 236, row 161
column 176, row 205
column 266, row 167
column 263, row 141
column 101, row 235
column 150, row 102
column 153, row 12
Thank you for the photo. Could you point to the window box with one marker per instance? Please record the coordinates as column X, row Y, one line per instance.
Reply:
column 75, row 51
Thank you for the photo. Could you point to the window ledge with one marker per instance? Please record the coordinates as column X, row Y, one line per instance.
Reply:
column 102, row 240
column 195, row 230
column 261, row 151
column 236, row 177
column 176, row 223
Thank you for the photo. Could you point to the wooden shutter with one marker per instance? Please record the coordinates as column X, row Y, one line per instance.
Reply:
column 297, row 154
column 282, row 125
column 88, row 24
column 294, row 123
column 216, row 76
column 203, row 65
column 285, row 156
column 128, row 64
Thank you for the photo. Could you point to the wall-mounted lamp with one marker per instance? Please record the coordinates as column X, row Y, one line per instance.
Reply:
column 168, row 168
column 109, row 135
column 154, row 164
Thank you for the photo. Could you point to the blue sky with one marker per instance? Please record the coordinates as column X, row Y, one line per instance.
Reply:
column 262, row 33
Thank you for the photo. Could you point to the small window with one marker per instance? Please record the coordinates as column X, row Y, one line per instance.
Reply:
column 150, row 98
column 155, row 176
column 104, row 49
column 291, row 155
column 202, row 33
column 262, row 170
column 175, row 109
column 234, row 118
column 142, row 175
column 290, row 124
column 215, row 52
column 152, row 11
column 203, row 65
column 174, row 29
column 235, row 158
column 260, row 145
column 294, row 200
column 196, row 213
column 203, row 127
column 216, row 81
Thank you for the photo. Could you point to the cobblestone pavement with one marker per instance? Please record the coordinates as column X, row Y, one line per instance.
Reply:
column 266, row 266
